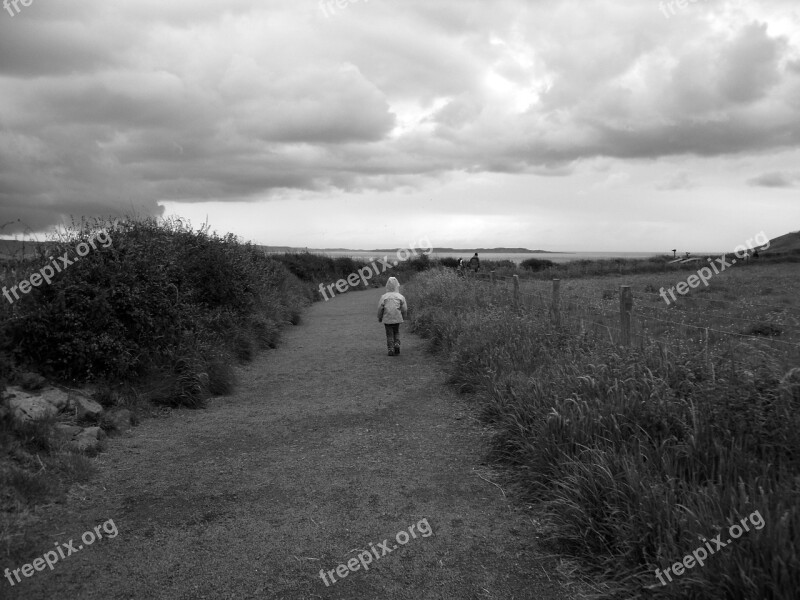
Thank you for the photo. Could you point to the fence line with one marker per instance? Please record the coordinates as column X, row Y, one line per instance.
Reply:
column 558, row 303
column 727, row 316
column 753, row 305
column 492, row 277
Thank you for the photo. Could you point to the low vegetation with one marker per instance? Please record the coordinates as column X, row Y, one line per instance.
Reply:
column 544, row 269
column 537, row 264
column 321, row 269
column 637, row 453
column 158, row 317
column 162, row 302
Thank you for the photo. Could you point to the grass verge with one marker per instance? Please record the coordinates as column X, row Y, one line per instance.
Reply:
column 638, row 453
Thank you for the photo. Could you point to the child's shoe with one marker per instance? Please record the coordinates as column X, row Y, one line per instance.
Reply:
column 397, row 348
column 391, row 352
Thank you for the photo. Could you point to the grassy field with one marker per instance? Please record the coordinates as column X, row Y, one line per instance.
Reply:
column 639, row 453
column 758, row 301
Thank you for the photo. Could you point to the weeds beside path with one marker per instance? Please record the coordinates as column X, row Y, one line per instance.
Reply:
column 327, row 446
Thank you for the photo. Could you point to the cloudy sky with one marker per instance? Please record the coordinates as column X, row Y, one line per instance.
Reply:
column 624, row 125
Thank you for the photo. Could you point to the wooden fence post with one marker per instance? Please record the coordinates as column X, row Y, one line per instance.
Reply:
column 491, row 277
column 625, row 307
column 516, row 290
column 556, row 308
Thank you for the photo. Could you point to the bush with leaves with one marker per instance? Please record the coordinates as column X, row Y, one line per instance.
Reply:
column 536, row 264
column 160, row 298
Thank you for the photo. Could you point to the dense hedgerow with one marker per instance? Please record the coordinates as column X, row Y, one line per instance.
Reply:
column 638, row 453
column 536, row 264
column 162, row 303
column 448, row 262
column 164, row 306
column 160, row 315
column 316, row 269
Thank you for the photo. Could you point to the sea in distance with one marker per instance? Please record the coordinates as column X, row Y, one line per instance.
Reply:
column 515, row 257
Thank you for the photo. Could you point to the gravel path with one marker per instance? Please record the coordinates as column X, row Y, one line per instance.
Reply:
column 327, row 447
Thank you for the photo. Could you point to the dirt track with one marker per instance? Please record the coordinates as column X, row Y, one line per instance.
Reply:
column 327, row 446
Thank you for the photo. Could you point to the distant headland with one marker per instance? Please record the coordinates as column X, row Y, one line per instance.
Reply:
column 447, row 250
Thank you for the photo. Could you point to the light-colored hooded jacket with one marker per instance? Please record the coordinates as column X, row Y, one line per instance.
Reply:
column 392, row 307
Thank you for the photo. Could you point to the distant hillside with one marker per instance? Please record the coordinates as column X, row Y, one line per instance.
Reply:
column 282, row 249
column 789, row 242
column 448, row 250
column 494, row 251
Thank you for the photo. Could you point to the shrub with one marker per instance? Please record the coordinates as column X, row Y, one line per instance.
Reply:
column 266, row 331
column 243, row 348
column 190, row 384
column 765, row 329
column 28, row 488
column 35, row 436
column 135, row 307
column 536, row 264
column 221, row 376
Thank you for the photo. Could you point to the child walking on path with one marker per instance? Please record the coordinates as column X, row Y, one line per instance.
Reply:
column 392, row 309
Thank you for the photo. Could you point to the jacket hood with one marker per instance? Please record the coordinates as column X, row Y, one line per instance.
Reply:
column 392, row 285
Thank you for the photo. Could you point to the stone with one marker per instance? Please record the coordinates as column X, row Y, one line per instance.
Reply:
column 85, row 407
column 68, row 431
column 117, row 419
column 32, row 381
column 56, row 397
column 89, row 440
column 25, row 407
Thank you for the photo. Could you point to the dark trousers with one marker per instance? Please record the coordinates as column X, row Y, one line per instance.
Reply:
column 392, row 335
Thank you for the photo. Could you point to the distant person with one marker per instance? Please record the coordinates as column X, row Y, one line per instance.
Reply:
column 475, row 263
column 392, row 309
column 460, row 268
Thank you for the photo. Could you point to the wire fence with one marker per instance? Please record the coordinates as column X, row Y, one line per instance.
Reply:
column 628, row 319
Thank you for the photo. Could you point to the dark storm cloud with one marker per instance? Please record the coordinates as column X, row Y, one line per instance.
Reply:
column 775, row 180
column 109, row 104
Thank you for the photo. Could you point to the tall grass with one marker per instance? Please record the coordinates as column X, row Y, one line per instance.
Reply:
column 36, row 467
column 637, row 453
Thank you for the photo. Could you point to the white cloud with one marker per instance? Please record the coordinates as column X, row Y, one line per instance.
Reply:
column 108, row 104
